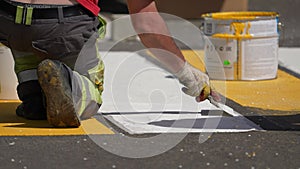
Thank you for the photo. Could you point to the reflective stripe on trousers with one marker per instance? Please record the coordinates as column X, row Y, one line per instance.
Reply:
column 87, row 89
column 26, row 64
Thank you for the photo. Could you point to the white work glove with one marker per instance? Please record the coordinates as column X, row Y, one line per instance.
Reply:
column 196, row 82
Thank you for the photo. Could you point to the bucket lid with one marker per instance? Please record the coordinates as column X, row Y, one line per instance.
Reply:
column 243, row 15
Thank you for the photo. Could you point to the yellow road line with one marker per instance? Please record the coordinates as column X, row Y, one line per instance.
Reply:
column 12, row 125
column 280, row 94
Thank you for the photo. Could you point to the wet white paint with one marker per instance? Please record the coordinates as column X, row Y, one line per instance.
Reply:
column 140, row 97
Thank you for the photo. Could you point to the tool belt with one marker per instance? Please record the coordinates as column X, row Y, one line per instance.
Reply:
column 42, row 11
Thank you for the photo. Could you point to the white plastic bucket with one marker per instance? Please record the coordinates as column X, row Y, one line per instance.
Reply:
column 243, row 44
column 8, row 79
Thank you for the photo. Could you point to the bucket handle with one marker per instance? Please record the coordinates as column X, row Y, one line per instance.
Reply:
column 281, row 32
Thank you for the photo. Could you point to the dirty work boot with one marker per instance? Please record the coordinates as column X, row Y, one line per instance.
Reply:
column 55, row 81
column 32, row 106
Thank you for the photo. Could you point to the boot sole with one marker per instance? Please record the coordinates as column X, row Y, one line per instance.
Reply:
column 60, row 107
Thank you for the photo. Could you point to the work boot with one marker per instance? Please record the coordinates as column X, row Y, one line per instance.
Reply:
column 32, row 106
column 54, row 78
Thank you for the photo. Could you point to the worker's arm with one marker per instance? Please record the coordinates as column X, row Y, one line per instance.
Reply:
column 154, row 34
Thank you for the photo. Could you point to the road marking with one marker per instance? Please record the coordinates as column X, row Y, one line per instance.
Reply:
column 280, row 94
column 12, row 125
column 150, row 91
column 181, row 122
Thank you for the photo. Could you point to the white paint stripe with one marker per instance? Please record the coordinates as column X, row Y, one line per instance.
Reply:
column 137, row 95
column 136, row 128
column 142, row 123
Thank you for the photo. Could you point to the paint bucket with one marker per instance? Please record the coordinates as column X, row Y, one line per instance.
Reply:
column 241, row 45
column 8, row 79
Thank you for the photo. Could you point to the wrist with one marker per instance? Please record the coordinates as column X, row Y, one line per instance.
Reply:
column 179, row 66
column 182, row 70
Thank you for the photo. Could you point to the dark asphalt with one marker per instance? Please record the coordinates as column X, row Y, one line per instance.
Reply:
column 253, row 150
column 277, row 148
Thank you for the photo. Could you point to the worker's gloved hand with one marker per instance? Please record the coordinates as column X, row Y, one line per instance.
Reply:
column 196, row 82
